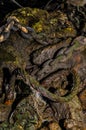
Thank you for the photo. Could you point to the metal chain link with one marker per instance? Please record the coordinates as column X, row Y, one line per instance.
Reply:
column 12, row 24
column 78, row 43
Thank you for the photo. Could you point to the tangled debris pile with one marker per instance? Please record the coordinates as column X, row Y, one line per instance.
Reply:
column 43, row 69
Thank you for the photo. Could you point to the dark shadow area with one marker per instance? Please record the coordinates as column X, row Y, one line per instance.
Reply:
column 6, row 80
column 61, row 123
column 44, row 124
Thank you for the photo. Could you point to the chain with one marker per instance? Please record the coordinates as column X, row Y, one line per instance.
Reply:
column 27, row 32
column 78, row 44
column 13, row 24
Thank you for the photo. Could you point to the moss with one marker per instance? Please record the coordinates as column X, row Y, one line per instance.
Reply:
column 24, row 14
column 42, row 21
column 38, row 26
column 56, row 98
